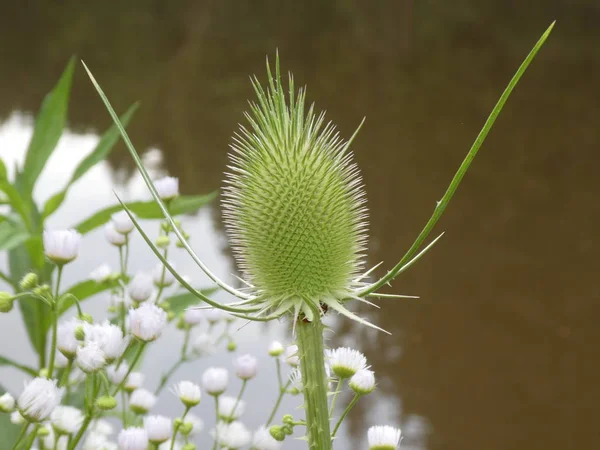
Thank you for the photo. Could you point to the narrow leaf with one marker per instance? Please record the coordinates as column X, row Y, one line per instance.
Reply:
column 4, row 361
column 180, row 302
column 83, row 291
column 11, row 235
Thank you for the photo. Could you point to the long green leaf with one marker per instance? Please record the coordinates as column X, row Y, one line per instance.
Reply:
column 180, row 302
column 443, row 203
column 82, row 291
column 11, row 235
column 4, row 361
column 146, row 210
column 102, row 150
column 17, row 203
column 49, row 126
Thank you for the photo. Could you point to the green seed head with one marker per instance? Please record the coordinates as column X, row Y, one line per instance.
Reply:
column 294, row 204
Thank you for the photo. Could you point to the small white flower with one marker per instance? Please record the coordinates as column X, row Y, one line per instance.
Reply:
column 363, row 382
column 141, row 287
column 66, row 419
column 61, row 246
column 49, row 439
column 167, row 187
column 109, row 338
column 262, row 440
column 230, row 408
column 141, row 401
column 232, row 435
column 116, row 375
column 147, row 322
column 275, row 349
column 66, row 342
column 290, row 355
column 345, row 362
column 134, row 381
column 296, row 379
column 7, row 402
column 177, row 445
column 215, row 380
column 133, row 438
column 203, row 345
column 38, row 399
column 101, row 426
column 90, row 357
column 213, row 315
column 16, row 418
column 98, row 441
column 101, row 273
column 193, row 316
column 122, row 222
column 245, row 366
column 158, row 428
column 383, row 438
column 197, row 424
column 113, row 236
column 161, row 276
column 188, row 392
column 60, row 361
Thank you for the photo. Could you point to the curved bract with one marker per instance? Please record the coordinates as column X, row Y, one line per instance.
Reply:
column 294, row 204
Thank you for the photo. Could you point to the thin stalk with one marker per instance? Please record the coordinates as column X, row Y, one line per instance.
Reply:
column 176, row 427
column 171, row 371
column 338, row 388
column 31, row 437
column 131, row 366
column 54, row 318
column 216, row 443
column 311, row 351
column 81, row 432
column 124, row 408
column 282, row 391
column 345, row 413
column 239, row 397
column 65, row 376
column 22, row 434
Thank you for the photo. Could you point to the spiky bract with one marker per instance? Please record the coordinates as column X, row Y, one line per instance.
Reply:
column 294, row 204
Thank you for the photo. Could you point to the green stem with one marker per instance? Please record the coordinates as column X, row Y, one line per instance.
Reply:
column 314, row 379
column 81, row 432
column 21, row 435
column 65, row 376
column 282, row 391
column 176, row 427
column 239, row 397
column 345, row 413
column 338, row 388
column 216, row 443
column 131, row 366
column 165, row 377
column 124, row 408
column 54, row 318
column 32, row 436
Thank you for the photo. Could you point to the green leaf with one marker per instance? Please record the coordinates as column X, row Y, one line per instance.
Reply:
column 180, row 302
column 49, row 125
column 11, row 235
column 17, row 203
column 462, row 170
column 3, row 172
column 4, row 361
column 102, row 150
column 146, row 210
column 83, row 291
column 35, row 248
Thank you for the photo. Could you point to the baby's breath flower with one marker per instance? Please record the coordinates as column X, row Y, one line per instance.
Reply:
column 38, row 399
column 116, row 375
column 188, row 392
column 228, row 410
column 295, row 378
column 7, row 403
column 215, row 380
column 147, row 322
column 60, row 361
column 122, row 222
column 61, row 246
column 232, row 435
column 103, row 427
column 90, row 357
column 213, row 315
column 363, row 382
column 66, row 419
column 245, row 366
column 345, row 362
column 101, row 273
column 141, row 401
column 109, row 338
column 16, row 418
column 383, row 438
column 158, row 428
column 167, row 187
column 275, row 349
column 193, row 316
column 66, row 342
column 98, row 441
column 262, row 440
column 196, row 422
column 113, row 236
column 133, row 438
column 162, row 277
column 203, row 345
column 141, row 287
column 134, row 381
column 290, row 355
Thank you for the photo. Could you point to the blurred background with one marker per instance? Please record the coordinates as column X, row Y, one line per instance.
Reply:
column 501, row 350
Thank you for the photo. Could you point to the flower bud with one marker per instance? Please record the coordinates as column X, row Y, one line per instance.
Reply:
column 79, row 333
column 162, row 276
column 290, row 355
column 363, row 382
column 276, row 349
column 61, row 246
column 189, row 446
column 277, row 433
column 43, row 372
column 38, row 399
column 106, row 403
column 162, row 242
column 113, row 236
column 345, row 362
column 133, row 438
column 215, row 380
column 134, row 380
column 101, row 274
column 383, row 438
column 188, row 392
column 66, row 419
column 246, row 367
column 141, row 401
column 7, row 402
column 43, row 290
column 140, row 288
column 86, row 318
column 178, row 422
column 231, row 346
column 43, row 431
column 171, row 315
column 122, row 222
column 158, row 428
column 167, row 188
column 186, row 428
column 29, row 281
column 6, row 302
column 288, row 430
column 230, row 408
column 147, row 322
column 288, row 419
